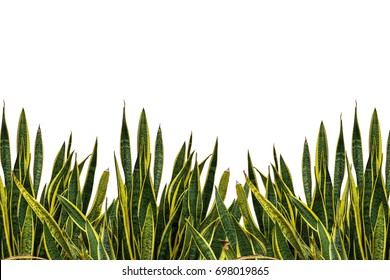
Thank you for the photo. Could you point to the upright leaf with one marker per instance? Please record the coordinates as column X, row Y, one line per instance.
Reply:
column 143, row 138
column 158, row 160
column 286, row 227
column 387, row 167
column 38, row 160
column 99, row 197
column 125, row 153
column 380, row 236
column 5, row 153
column 27, row 234
column 203, row 247
column 339, row 166
column 306, row 173
column 23, row 139
column 286, row 174
column 375, row 134
column 321, row 149
column 226, row 221
column 88, row 185
column 357, row 152
column 148, row 235
column 209, row 185
column 46, row 218
column 84, row 224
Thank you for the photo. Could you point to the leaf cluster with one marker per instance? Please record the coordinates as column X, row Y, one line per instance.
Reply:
column 70, row 218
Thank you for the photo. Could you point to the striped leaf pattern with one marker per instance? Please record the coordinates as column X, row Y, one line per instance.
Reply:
column 344, row 213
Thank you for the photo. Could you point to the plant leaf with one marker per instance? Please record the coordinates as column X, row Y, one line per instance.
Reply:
column 203, row 247
column 287, row 229
column 45, row 217
column 148, row 235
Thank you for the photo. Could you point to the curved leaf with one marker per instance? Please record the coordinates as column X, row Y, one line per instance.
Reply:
column 285, row 226
column 203, row 247
column 45, row 217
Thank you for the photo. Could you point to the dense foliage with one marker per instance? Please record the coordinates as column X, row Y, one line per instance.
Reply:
column 186, row 218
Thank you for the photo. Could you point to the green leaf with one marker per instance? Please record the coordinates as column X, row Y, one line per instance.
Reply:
column 143, row 138
column 222, row 190
column 148, row 235
column 164, row 246
column 75, row 214
column 27, row 234
column 179, row 161
column 306, row 213
column 202, row 245
column 375, row 134
column 50, row 245
column 5, row 153
column 286, row 174
column 125, row 153
column 124, row 209
column 328, row 250
column 45, row 217
column 306, row 173
column 281, row 247
column 158, row 160
column 244, row 246
column 247, row 215
column 56, row 183
column 339, row 167
column 379, row 236
column 38, row 161
column 319, row 197
column 357, row 152
column 226, row 221
column 88, row 185
column 209, row 185
column 356, row 212
column 23, row 139
column 275, row 158
column 194, row 195
column 58, row 162
column 95, row 247
column 5, row 221
column 147, row 197
column 74, row 184
column 99, row 197
column 258, row 209
column 387, row 167
column 378, row 198
column 286, row 227
column 321, row 149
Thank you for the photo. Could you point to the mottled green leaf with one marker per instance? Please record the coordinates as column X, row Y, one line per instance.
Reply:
column 357, row 152
column 148, row 235
column 45, row 217
column 99, row 197
column 158, row 160
column 38, row 161
column 88, row 185
column 202, row 245
column 306, row 173
column 380, row 236
column 286, row 227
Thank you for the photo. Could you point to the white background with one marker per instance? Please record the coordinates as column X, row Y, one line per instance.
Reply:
column 252, row 73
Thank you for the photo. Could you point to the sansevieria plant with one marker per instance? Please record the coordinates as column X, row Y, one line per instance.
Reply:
column 344, row 214
column 339, row 219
